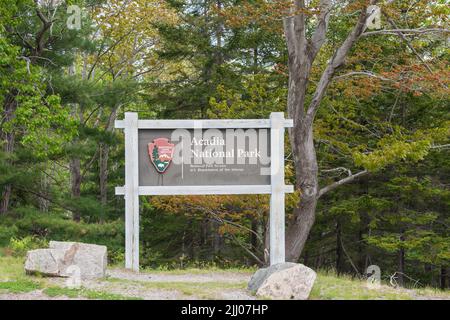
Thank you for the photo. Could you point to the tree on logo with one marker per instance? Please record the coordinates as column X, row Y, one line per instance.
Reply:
column 160, row 165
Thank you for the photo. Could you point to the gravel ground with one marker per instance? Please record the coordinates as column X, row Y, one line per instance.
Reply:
column 146, row 286
column 134, row 284
column 226, row 277
column 33, row 295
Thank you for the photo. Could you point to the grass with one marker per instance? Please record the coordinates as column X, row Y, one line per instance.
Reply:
column 330, row 287
column 86, row 293
column 59, row 292
column 202, row 290
column 327, row 286
column 11, row 268
column 19, row 286
column 249, row 270
column 14, row 280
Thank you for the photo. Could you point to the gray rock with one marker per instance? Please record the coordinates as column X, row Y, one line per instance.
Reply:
column 283, row 281
column 91, row 259
column 262, row 274
column 44, row 261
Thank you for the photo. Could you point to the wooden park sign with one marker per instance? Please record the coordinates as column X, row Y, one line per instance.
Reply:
column 204, row 157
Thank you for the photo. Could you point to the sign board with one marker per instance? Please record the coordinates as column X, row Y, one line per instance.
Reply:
column 206, row 157
column 183, row 157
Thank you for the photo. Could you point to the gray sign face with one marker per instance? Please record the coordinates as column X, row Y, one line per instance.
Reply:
column 204, row 157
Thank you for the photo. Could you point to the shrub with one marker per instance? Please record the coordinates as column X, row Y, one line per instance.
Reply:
column 21, row 246
column 34, row 226
column 6, row 233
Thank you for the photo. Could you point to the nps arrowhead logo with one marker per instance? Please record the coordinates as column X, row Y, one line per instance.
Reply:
column 161, row 153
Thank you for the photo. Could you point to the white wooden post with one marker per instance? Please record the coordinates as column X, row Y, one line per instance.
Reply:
column 277, row 247
column 131, row 192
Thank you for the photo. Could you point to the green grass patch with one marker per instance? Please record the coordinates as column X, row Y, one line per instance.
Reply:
column 14, row 280
column 86, row 293
column 19, row 286
column 59, row 292
column 249, row 270
column 99, row 295
column 330, row 287
column 11, row 268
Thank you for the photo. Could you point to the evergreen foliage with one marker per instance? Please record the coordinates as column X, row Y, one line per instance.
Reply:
column 386, row 111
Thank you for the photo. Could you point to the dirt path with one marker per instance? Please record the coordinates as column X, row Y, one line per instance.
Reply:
column 33, row 295
column 154, row 286
column 168, row 286
column 225, row 277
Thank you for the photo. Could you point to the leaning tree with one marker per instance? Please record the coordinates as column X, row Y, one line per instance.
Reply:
column 307, row 31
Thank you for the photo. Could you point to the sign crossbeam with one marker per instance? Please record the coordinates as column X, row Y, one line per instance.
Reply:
column 204, row 190
column 132, row 188
column 205, row 124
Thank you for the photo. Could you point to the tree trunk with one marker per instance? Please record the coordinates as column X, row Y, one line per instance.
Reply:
column 338, row 247
column 216, row 238
column 253, row 235
column 307, row 182
column 267, row 243
column 204, row 232
column 362, row 256
column 43, row 201
column 8, row 138
column 302, row 53
column 443, row 278
column 401, row 267
column 401, row 264
column 75, row 162
column 103, row 174
column 75, row 175
column 103, row 162
column 6, row 195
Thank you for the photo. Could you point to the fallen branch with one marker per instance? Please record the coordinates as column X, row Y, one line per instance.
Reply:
column 236, row 240
column 349, row 258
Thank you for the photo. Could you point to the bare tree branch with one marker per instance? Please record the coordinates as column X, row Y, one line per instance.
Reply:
column 336, row 61
column 225, row 221
column 406, row 31
column 288, row 24
column 300, row 26
column 28, row 61
column 442, row 146
column 299, row 62
column 362, row 73
column 319, row 36
column 408, row 43
column 40, row 37
column 349, row 172
column 341, row 182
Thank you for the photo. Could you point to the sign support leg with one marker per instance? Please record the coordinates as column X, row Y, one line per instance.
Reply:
column 131, row 192
column 277, row 215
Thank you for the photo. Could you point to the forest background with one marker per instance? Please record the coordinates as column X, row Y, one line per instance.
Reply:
column 380, row 130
